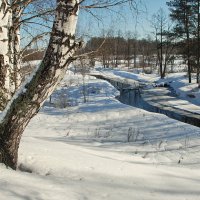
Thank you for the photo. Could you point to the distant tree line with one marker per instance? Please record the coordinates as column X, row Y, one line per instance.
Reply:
column 115, row 50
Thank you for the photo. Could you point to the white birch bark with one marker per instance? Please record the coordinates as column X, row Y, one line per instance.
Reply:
column 5, row 24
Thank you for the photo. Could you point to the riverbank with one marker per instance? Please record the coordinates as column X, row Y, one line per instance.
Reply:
column 151, row 97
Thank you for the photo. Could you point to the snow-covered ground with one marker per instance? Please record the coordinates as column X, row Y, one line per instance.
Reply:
column 184, row 90
column 102, row 149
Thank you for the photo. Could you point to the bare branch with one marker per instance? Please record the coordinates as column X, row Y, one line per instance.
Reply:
column 36, row 38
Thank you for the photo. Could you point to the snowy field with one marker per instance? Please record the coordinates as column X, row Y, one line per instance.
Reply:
column 97, row 148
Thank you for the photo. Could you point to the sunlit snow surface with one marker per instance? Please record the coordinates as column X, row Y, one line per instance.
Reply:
column 103, row 149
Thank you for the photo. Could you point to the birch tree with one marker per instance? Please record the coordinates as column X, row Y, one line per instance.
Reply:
column 12, row 17
column 5, row 24
column 29, row 99
column 10, row 14
column 27, row 103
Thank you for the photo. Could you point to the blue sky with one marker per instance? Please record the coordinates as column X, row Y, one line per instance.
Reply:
column 154, row 5
column 144, row 19
column 126, row 21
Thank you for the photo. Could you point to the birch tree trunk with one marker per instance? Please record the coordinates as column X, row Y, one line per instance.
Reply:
column 15, row 77
column 27, row 103
column 5, row 64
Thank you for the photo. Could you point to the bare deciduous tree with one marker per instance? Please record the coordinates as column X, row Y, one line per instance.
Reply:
column 164, row 40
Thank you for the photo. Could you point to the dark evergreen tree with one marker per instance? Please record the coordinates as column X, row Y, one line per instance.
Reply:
column 182, row 14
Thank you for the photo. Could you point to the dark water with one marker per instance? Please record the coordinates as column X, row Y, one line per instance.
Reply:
column 131, row 97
